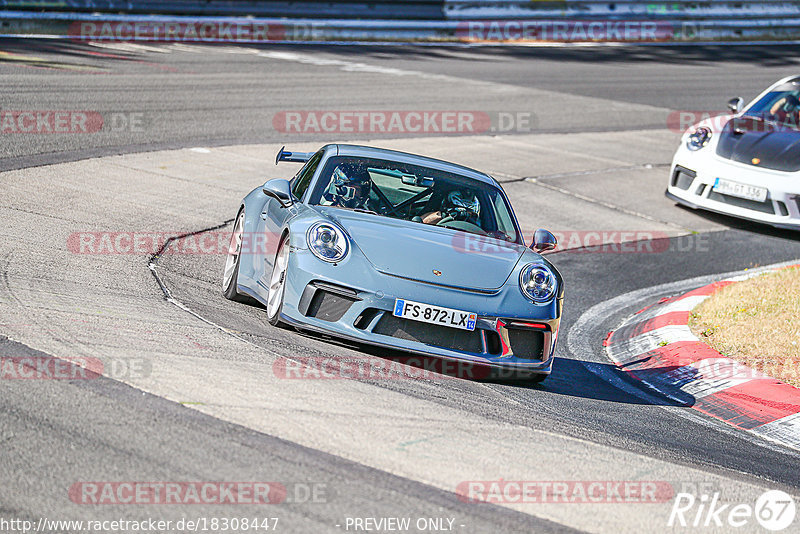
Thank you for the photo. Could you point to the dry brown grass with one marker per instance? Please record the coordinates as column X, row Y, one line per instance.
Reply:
column 756, row 322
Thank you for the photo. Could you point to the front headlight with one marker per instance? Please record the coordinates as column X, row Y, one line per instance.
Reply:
column 327, row 242
column 537, row 282
column 699, row 138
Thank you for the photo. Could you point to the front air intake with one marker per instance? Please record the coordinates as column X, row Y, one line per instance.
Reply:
column 526, row 343
column 683, row 178
column 325, row 301
column 430, row 334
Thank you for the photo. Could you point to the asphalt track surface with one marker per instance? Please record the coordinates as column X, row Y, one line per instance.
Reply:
column 183, row 98
column 55, row 433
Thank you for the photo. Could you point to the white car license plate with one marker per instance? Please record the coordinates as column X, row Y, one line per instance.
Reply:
column 735, row 189
column 428, row 313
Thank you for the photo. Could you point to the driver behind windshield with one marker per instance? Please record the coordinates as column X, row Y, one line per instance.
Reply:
column 786, row 109
column 349, row 188
column 457, row 205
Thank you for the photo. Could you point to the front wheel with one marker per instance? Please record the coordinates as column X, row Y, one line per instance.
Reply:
column 277, row 283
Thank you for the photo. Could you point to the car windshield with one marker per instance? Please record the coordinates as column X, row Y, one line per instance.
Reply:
column 415, row 193
column 781, row 107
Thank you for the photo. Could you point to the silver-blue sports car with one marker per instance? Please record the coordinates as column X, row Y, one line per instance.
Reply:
column 400, row 251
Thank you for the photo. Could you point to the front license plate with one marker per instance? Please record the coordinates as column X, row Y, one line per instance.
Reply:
column 735, row 189
column 428, row 313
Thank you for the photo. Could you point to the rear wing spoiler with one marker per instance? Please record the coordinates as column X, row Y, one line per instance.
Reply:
column 294, row 157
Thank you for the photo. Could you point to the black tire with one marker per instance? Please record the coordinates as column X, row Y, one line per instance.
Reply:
column 274, row 310
column 229, row 289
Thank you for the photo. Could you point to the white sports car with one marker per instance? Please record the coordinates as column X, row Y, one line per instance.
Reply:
column 746, row 164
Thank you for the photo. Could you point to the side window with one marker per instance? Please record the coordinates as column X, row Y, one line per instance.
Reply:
column 303, row 178
column 505, row 223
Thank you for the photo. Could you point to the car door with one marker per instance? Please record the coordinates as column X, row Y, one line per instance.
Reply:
column 274, row 217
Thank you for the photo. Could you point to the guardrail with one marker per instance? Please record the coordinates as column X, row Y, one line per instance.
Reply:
column 467, row 21
column 619, row 9
column 690, row 20
column 363, row 9
column 427, row 9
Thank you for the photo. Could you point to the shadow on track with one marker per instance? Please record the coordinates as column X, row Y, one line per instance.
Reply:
column 64, row 47
column 569, row 377
column 744, row 225
column 572, row 378
column 761, row 55
column 767, row 55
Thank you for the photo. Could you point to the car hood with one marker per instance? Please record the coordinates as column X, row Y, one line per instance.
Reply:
column 744, row 139
column 419, row 251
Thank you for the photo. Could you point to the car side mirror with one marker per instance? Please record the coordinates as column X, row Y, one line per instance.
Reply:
column 280, row 190
column 735, row 104
column 543, row 241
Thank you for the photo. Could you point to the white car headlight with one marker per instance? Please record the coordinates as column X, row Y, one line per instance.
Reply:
column 537, row 282
column 327, row 242
column 698, row 138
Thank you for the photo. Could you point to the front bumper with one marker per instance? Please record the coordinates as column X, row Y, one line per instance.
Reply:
column 692, row 178
column 326, row 299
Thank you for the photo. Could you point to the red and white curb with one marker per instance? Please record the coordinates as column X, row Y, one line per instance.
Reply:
column 657, row 347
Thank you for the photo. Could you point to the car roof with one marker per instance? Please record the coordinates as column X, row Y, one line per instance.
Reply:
column 414, row 159
column 788, row 79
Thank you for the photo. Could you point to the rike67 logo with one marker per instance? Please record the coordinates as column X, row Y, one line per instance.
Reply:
column 774, row 510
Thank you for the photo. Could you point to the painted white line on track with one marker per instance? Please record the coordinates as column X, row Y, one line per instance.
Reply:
column 591, row 200
column 356, row 66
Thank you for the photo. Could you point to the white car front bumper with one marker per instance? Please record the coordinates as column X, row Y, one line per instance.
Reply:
column 694, row 173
